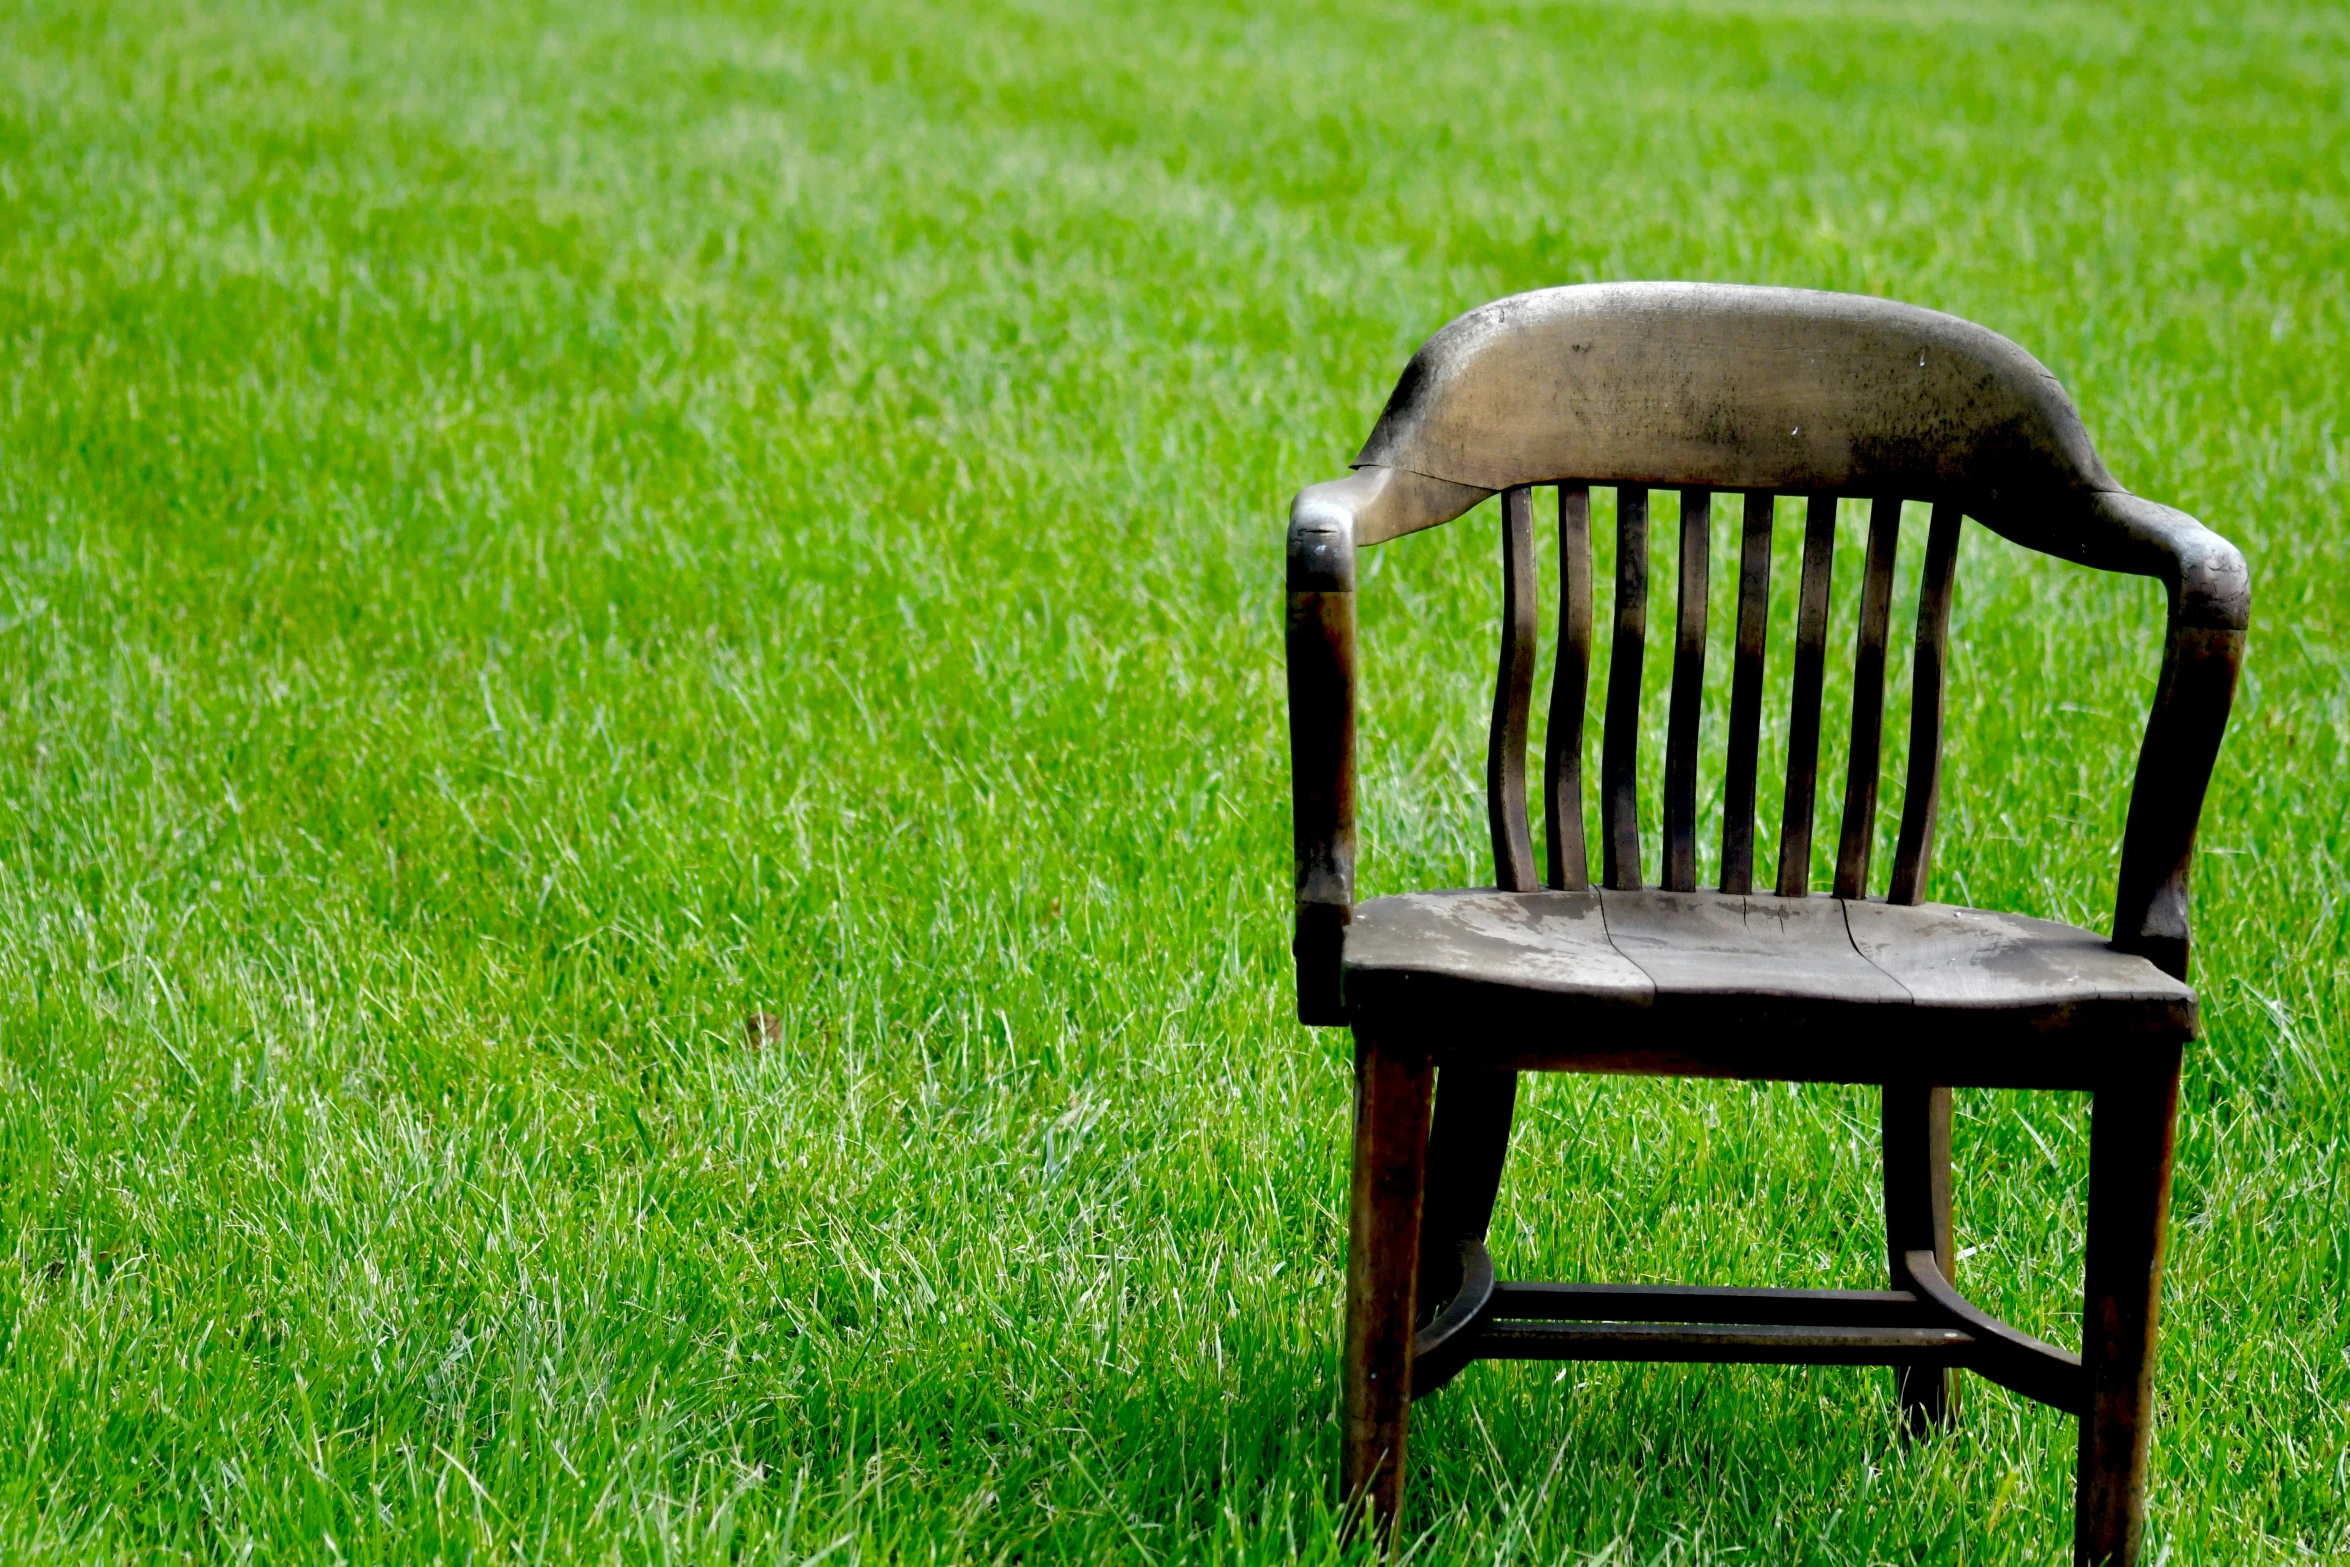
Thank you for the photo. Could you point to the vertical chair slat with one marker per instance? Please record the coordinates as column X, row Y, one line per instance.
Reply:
column 1513, row 695
column 1619, row 748
column 1803, row 718
column 1746, row 682
column 1562, row 759
column 1681, row 725
column 1863, row 764
column 1922, row 795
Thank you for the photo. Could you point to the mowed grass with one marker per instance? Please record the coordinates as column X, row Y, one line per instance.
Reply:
column 531, row 537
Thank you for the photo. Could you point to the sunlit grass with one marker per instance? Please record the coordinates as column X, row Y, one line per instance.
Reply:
column 530, row 538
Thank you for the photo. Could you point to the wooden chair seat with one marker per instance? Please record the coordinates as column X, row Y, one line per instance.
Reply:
column 1716, row 984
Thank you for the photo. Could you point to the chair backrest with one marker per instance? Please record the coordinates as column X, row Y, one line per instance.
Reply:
column 1759, row 392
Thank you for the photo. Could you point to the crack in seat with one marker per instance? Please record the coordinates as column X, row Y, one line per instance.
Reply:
column 1754, row 985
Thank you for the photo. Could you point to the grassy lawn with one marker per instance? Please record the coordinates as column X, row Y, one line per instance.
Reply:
column 529, row 537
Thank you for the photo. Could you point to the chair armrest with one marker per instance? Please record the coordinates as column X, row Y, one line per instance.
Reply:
column 2203, row 649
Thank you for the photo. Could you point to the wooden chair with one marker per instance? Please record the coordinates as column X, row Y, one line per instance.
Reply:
column 1755, row 392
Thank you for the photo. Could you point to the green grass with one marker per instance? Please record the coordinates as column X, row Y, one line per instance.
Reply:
column 529, row 536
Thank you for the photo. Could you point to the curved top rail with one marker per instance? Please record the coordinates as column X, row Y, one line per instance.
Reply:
column 1733, row 387
column 1736, row 388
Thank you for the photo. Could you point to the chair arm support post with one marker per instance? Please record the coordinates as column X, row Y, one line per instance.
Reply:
column 2183, row 733
column 1321, row 665
column 2210, row 604
column 1326, row 523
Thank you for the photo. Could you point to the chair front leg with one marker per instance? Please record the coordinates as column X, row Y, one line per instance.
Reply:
column 1917, row 1218
column 2131, row 1127
column 1392, row 1083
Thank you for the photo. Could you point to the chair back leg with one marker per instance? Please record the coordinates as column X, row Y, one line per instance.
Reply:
column 1467, row 1146
column 2130, row 1142
column 1392, row 1083
column 1917, row 1218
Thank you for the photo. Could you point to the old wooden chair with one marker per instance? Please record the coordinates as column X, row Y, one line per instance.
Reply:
column 1755, row 392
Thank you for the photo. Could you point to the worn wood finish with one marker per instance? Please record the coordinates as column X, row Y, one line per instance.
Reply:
column 1382, row 1269
column 1913, row 856
column 2130, row 1140
column 1865, row 758
column 1763, row 391
column 1734, row 389
column 1974, row 964
column 1545, row 975
column 1738, row 388
column 1916, row 1124
column 1619, row 741
column 1562, row 759
column 1372, row 504
column 1474, row 945
column 1698, row 944
column 1513, row 697
column 1746, row 688
column 1679, row 873
column 1803, row 717
column 1712, row 984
